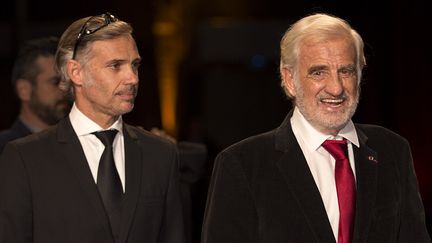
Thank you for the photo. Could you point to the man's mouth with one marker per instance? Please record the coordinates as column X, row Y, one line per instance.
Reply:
column 127, row 93
column 333, row 101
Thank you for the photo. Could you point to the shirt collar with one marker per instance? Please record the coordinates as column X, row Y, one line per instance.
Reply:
column 84, row 125
column 314, row 138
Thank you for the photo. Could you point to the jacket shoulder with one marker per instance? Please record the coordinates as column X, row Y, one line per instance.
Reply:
column 259, row 142
column 250, row 152
column 379, row 133
column 147, row 137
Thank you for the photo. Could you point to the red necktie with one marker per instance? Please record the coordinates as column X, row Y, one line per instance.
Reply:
column 345, row 186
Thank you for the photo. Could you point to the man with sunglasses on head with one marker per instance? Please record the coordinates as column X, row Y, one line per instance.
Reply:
column 92, row 178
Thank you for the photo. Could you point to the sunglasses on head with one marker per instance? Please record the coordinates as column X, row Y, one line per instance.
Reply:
column 87, row 30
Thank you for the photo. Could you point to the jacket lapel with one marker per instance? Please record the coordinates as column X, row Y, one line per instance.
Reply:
column 296, row 172
column 366, row 163
column 73, row 153
column 133, row 160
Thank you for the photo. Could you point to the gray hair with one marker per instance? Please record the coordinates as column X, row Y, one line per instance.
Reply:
column 320, row 27
column 99, row 28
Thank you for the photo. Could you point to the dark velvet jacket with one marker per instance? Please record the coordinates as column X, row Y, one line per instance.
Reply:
column 262, row 191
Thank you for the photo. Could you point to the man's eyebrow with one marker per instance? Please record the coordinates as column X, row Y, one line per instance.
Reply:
column 137, row 60
column 317, row 68
column 116, row 60
column 351, row 65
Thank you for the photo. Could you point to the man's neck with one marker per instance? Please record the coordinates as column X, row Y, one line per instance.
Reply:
column 102, row 120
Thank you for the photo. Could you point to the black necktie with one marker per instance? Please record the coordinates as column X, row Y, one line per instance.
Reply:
column 108, row 180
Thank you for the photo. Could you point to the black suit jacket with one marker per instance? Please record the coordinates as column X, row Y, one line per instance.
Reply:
column 263, row 191
column 18, row 130
column 48, row 194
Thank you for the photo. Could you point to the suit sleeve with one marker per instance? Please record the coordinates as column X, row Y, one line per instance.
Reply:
column 230, row 215
column 15, row 201
column 412, row 225
column 173, row 223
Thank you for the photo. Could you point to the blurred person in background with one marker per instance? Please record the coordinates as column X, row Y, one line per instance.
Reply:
column 42, row 103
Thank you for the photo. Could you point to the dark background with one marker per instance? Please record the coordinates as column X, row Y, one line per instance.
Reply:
column 226, row 63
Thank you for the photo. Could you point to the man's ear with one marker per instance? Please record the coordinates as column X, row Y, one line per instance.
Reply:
column 75, row 72
column 24, row 89
column 288, row 79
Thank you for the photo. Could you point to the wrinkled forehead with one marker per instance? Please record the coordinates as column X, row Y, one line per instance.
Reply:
column 340, row 45
column 122, row 47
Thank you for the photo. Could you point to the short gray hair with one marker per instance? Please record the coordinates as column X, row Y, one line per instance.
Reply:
column 320, row 27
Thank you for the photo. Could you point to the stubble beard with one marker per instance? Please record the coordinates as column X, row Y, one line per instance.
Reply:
column 48, row 113
column 324, row 121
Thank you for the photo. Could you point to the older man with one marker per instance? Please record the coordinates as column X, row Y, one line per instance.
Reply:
column 318, row 177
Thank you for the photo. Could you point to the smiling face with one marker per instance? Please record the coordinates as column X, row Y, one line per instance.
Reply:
column 325, row 86
column 106, row 85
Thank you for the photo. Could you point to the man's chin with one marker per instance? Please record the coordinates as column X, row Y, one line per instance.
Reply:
column 126, row 108
column 337, row 124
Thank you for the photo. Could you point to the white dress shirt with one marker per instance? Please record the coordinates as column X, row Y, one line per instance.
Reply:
column 93, row 147
column 321, row 163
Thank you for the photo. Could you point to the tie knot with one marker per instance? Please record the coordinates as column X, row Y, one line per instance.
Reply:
column 337, row 148
column 106, row 136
